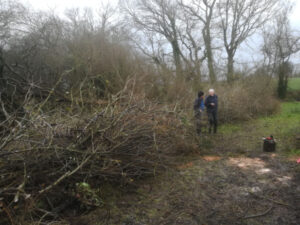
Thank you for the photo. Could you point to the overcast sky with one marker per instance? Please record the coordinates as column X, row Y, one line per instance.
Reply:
column 61, row 5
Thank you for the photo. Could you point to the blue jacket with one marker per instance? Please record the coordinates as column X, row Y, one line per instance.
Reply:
column 211, row 99
column 199, row 104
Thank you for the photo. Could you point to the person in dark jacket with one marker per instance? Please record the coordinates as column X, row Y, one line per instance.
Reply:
column 199, row 109
column 211, row 103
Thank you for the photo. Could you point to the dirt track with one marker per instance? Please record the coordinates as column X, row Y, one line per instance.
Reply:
column 213, row 189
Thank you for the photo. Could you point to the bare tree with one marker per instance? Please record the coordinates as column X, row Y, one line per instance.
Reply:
column 11, row 15
column 240, row 19
column 192, row 52
column 161, row 17
column 203, row 10
column 106, row 14
column 280, row 43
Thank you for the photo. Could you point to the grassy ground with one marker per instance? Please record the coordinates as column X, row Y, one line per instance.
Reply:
column 229, row 181
column 294, row 84
column 284, row 127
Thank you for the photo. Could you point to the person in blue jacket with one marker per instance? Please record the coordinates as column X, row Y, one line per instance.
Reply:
column 199, row 109
column 211, row 103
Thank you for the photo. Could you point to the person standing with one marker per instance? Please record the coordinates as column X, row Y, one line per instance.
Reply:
column 199, row 109
column 211, row 103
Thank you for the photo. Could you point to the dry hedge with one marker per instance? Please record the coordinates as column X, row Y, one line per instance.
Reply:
column 247, row 99
column 244, row 99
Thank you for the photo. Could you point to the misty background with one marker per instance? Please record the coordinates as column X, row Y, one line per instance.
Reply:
column 248, row 54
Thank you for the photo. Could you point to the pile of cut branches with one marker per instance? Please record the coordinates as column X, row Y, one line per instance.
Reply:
column 49, row 167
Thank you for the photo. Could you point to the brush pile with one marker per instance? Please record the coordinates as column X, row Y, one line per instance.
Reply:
column 48, row 167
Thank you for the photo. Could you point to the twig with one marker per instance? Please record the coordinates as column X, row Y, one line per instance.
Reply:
column 53, row 89
column 258, row 215
column 7, row 211
column 65, row 176
column 272, row 200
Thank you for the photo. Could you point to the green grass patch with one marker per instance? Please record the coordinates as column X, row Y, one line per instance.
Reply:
column 229, row 128
column 289, row 112
column 289, row 116
column 284, row 126
column 294, row 84
column 294, row 152
column 290, row 109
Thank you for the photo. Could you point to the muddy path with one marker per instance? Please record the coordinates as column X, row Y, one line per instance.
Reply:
column 213, row 190
column 229, row 181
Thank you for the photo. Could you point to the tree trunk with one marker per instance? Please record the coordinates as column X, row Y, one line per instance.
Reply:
column 198, row 71
column 176, row 56
column 283, row 75
column 210, row 61
column 211, row 70
column 230, row 68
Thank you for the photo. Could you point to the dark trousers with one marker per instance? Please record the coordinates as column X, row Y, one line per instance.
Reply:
column 213, row 121
column 198, row 116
